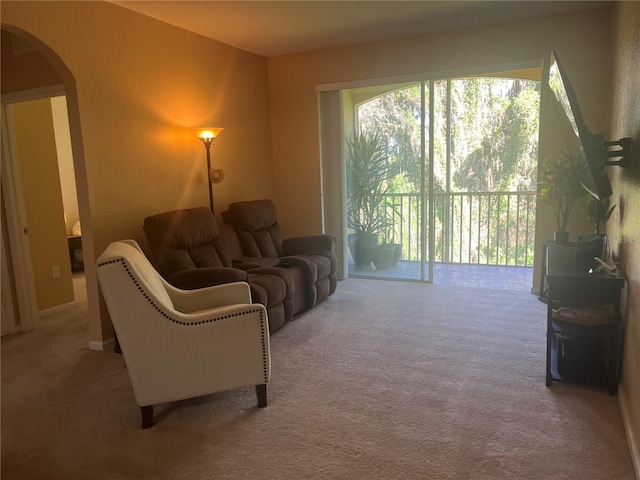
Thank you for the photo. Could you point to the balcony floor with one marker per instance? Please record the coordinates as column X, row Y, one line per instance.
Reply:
column 468, row 275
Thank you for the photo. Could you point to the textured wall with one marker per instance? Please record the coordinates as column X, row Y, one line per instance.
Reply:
column 624, row 226
column 582, row 38
column 137, row 86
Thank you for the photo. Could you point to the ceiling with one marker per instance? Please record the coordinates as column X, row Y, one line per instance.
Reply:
column 271, row 28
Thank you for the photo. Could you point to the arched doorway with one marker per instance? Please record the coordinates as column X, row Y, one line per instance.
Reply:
column 50, row 73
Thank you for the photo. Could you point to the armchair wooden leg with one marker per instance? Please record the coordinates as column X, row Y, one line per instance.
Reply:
column 261, row 392
column 147, row 416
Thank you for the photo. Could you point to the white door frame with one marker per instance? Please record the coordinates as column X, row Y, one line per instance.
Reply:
column 13, row 199
column 8, row 318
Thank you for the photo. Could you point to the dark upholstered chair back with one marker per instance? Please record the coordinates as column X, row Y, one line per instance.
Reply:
column 185, row 239
column 256, row 224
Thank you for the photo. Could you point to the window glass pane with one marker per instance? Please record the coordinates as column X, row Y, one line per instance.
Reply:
column 485, row 151
column 395, row 116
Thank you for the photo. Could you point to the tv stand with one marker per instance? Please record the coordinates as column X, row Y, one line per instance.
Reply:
column 584, row 339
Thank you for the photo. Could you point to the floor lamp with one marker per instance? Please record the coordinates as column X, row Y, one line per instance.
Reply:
column 207, row 137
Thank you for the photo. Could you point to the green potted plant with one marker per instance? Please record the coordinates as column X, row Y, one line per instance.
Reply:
column 388, row 253
column 561, row 187
column 368, row 209
column 598, row 211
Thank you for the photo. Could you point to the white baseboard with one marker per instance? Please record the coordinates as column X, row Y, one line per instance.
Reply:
column 102, row 346
column 631, row 440
column 57, row 309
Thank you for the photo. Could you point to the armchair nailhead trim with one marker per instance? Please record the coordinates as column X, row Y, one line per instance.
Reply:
column 265, row 369
column 124, row 263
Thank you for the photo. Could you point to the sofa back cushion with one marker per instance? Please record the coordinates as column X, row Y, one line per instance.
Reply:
column 185, row 239
column 230, row 240
column 256, row 224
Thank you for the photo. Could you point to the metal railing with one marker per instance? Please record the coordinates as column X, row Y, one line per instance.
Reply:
column 485, row 228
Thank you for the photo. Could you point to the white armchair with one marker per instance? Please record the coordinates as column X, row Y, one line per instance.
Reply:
column 180, row 344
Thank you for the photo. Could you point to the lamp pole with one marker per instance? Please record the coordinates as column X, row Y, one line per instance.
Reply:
column 207, row 145
column 207, row 137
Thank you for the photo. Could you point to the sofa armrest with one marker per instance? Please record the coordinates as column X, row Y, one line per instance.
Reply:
column 201, row 299
column 206, row 277
column 309, row 243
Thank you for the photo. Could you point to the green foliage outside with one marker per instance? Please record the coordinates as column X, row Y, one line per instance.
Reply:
column 490, row 128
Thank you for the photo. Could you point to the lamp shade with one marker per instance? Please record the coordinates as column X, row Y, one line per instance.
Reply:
column 209, row 133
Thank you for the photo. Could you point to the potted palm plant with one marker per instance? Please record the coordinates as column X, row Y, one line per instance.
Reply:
column 368, row 209
column 598, row 211
column 388, row 253
column 561, row 187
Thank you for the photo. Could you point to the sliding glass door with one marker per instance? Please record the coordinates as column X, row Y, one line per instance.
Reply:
column 440, row 172
column 396, row 188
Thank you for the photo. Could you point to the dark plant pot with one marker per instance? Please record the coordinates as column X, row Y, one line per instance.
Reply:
column 383, row 256
column 361, row 246
column 561, row 237
column 352, row 241
column 589, row 247
column 397, row 251
column 397, row 254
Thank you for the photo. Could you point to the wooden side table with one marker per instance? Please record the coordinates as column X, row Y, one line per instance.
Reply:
column 599, row 342
column 543, row 270
column 75, row 253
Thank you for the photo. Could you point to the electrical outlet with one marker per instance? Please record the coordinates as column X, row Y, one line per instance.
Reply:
column 55, row 271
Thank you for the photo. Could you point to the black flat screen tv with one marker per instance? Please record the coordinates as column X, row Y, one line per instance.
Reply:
column 593, row 145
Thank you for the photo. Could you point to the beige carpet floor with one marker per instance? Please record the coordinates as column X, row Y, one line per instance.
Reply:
column 385, row 380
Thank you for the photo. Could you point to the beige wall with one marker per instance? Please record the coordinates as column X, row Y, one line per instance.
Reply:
column 140, row 85
column 583, row 39
column 624, row 226
column 38, row 161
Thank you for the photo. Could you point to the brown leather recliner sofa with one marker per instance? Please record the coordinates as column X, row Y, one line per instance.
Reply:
column 187, row 250
column 190, row 250
column 262, row 241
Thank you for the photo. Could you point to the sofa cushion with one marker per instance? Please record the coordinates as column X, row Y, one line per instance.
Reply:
column 323, row 264
column 257, row 227
column 249, row 263
column 193, row 278
column 185, row 239
column 260, row 236
column 230, row 240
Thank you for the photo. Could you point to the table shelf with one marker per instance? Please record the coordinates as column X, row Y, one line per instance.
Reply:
column 596, row 356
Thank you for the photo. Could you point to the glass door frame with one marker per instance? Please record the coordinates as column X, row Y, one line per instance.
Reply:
column 332, row 133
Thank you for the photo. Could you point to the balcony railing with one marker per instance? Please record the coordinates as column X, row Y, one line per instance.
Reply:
column 485, row 228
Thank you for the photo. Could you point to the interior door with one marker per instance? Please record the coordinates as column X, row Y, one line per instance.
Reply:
column 16, row 231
